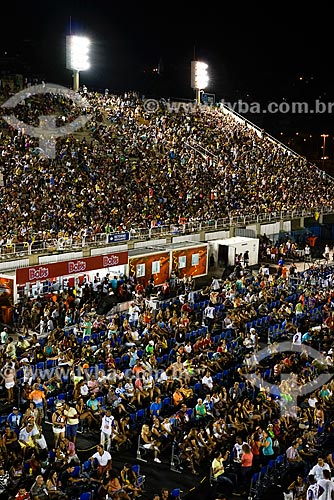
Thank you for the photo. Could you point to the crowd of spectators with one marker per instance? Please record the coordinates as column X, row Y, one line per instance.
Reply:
column 134, row 169
column 174, row 377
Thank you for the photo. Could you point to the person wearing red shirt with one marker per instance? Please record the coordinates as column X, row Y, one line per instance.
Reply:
column 330, row 321
column 287, row 362
column 139, row 288
column 198, row 345
column 147, row 317
column 207, row 340
column 186, row 308
column 137, row 368
column 22, row 494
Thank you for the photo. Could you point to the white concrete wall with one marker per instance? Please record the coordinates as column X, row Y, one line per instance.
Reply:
column 217, row 235
column 187, row 237
column 150, row 243
column 106, row 250
column 49, row 259
column 270, row 229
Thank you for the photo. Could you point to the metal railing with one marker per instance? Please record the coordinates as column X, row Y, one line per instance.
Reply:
column 14, row 250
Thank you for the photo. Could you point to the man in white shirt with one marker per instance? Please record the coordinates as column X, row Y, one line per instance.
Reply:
column 265, row 271
column 237, row 449
column 312, row 400
column 106, row 427
column 207, row 381
column 27, row 435
column 248, row 343
column 209, row 316
column 297, row 338
column 103, row 459
column 314, row 491
column 134, row 312
column 327, row 485
column 215, row 286
column 326, row 252
column 318, row 469
column 253, row 336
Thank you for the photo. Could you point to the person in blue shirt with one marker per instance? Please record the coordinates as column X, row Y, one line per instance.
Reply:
column 114, row 283
column 14, row 420
column 155, row 407
column 208, row 403
column 306, row 337
column 267, row 447
column 94, row 405
column 133, row 357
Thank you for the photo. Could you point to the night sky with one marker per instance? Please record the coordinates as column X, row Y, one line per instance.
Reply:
column 254, row 53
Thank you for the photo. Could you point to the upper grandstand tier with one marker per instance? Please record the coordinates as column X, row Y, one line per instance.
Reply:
column 131, row 168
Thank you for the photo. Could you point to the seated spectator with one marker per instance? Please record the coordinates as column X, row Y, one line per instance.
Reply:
column 298, row 487
column 200, row 410
column 218, row 471
column 94, row 406
column 115, row 488
column 10, row 443
column 22, row 494
column 69, row 449
column 27, row 439
column 177, row 397
column 38, row 490
column 156, row 406
column 103, row 459
column 129, row 481
column 207, row 381
column 72, row 483
column 53, row 487
column 4, row 481
column 85, row 414
column 149, row 442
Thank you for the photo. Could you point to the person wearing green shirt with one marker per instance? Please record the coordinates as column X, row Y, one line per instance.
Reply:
column 149, row 349
column 200, row 409
column 87, row 327
column 299, row 308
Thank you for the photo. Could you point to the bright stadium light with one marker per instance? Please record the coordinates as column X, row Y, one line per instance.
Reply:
column 199, row 78
column 77, row 56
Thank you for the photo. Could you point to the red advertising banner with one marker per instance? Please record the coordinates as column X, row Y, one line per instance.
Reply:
column 6, row 300
column 146, row 263
column 46, row 271
column 190, row 261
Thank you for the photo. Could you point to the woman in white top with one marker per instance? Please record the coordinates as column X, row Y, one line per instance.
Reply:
column 58, row 424
column 149, row 443
column 8, row 373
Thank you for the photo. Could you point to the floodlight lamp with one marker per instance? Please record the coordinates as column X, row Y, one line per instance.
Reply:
column 199, row 75
column 77, row 53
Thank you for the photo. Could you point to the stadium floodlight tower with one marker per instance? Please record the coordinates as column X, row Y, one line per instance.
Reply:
column 199, row 78
column 77, row 56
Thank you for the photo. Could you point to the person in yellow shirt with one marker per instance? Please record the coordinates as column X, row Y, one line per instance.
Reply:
column 218, row 471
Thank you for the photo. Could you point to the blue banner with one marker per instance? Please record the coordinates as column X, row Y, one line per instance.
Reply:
column 116, row 237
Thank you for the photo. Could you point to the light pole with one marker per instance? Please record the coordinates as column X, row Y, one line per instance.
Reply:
column 324, row 136
column 199, row 78
column 77, row 56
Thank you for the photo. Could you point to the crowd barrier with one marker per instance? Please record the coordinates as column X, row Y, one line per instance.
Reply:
column 12, row 249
